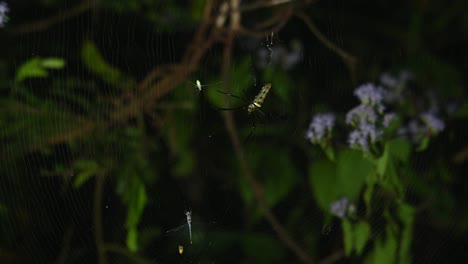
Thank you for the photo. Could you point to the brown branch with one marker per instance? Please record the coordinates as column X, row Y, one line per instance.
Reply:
column 180, row 72
column 279, row 21
column 66, row 241
column 349, row 60
column 41, row 25
column 335, row 256
column 240, row 154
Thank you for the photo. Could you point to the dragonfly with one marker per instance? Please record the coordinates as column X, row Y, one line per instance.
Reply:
column 187, row 227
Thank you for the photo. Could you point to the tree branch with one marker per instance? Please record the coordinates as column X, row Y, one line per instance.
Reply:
column 240, row 154
column 349, row 60
column 44, row 24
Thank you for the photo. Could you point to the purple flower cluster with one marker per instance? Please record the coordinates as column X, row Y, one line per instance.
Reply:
column 369, row 94
column 320, row 127
column 391, row 81
column 388, row 119
column 369, row 119
column 427, row 124
column 361, row 114
column 3, row 13
column 363, row 118
column 395, row 84
column 432, row 122
column 361, row 136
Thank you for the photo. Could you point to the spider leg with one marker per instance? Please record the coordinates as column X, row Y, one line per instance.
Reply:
column 260, row 111
column 232, row 95
column 226, row 109
column 251, row 131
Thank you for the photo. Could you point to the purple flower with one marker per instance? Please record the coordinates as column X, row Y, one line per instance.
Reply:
column 356, row 139
column 360, row 136
column 361, row 114
column 394, row 82
column 432, row 122
column 339, row 207
column 388, row 118
column 389, row 80
column 320, row 126
column 369, row 94
column 3, row 13
column 428, row 124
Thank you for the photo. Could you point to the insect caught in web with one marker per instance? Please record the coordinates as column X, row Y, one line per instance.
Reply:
column 186, row 229
column 181, row 249
column 253, row 106
column 199, row 86
column 188, row 214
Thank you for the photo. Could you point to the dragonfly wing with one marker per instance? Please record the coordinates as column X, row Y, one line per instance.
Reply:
column 176, row 229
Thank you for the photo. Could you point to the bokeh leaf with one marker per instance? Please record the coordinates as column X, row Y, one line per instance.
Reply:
column 31, row 69
column 86, row 169
column 97, row 64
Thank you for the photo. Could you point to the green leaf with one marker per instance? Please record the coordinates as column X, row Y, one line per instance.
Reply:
column 406, row 214
column 282, row 84
column 352, row 172
column 322, row 177
column 386, row 165
column 86, row 169
column 262, row 248
column 240, row 82
column 132, row 239
column 37, row 68
column 96, row 63
column 383, row 161
column 348, row 236
column 197, row 9
column 355, row 236
column 384, row 251
column 53, row 63
column 136, row 204
column 361, row 236
column 329, row 152
column 343, row 178
column 400, row 149
column 31, row 69
column 278, row 174
column 424, row 144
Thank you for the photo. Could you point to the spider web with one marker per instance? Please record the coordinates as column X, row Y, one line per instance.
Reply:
column 106, row 141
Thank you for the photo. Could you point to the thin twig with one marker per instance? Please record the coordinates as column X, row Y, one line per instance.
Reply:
column 283, row 18
column 98, row 235
column 240, row 154
column 44, row 24
column 347, row 58
column 335, row 256
column 63, row 255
